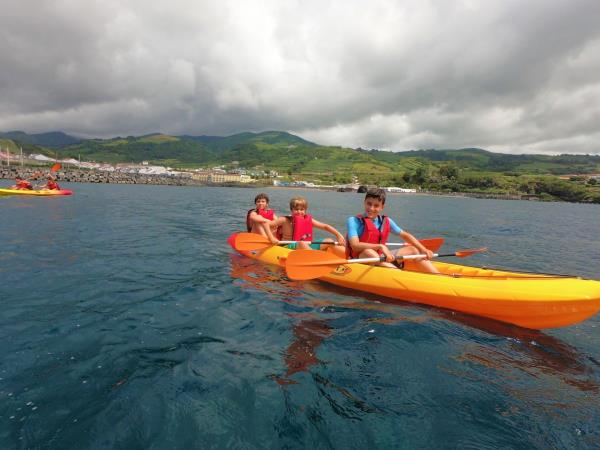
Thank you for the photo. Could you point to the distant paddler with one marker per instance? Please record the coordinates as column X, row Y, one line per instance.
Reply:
column 22, row 184
column 51, row 184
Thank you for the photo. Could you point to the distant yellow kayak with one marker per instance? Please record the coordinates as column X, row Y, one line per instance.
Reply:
column 41, row 192
column 529, row 300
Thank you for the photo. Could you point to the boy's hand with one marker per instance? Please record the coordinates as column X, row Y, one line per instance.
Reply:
column 388, row 255
column 341, row 240
column 429, row 253
column 274, row 241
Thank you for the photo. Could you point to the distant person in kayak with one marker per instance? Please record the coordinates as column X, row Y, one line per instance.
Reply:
column 258, row 218
column 368, row 233
column 22, row 184
column 51, row 184
column 299, row 227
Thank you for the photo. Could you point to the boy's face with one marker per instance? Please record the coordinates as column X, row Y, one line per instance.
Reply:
column 373, row 206
column 300, row 210
column 262, row 203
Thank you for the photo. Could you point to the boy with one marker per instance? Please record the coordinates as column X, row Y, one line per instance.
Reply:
column 22, row 184
column 368, row 234
column 258, row 218
column 299, row 227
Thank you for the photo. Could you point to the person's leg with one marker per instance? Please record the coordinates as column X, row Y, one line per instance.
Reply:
column 422, row 265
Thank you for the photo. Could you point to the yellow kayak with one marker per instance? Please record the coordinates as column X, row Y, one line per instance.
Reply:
column 40, row 192
column 529, row 300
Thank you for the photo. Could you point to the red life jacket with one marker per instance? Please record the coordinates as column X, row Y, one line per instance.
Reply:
column 266, row 213
column 302, row 227
column 24, row 184
column 52, row 185
column 371, row 234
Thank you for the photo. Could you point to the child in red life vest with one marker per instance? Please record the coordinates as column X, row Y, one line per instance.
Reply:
column 258, row 218
column 52, row 184
column 22, row 184
column 368, row 233
column 299, row 227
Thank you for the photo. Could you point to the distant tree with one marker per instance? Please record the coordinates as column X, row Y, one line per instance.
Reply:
column 449, row 171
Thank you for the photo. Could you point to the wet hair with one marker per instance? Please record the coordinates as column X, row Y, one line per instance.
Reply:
column 261, row 196
column 18, row 177
column 298, row 201
column 376, row 193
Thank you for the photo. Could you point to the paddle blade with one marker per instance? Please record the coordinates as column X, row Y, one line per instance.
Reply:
column 432, row 244
column 464, row 253
column 55, row 168
column 310, row 264
column 231, row 240
column 251, row 241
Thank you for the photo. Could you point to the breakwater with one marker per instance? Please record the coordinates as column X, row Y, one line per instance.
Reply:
column 97, row 176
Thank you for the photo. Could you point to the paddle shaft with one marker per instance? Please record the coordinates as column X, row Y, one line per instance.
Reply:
column 389, row 244
column 382, row 258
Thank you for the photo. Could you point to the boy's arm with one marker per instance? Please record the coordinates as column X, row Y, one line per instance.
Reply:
column 277, row 222
column 326, row 227
column 254, row 217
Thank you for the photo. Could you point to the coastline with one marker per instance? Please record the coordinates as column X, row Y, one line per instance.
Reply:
column 98, row 176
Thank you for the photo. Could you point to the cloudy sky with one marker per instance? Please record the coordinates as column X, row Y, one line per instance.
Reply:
column 511, row 76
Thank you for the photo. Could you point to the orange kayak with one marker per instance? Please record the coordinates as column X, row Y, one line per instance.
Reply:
column 528, row 300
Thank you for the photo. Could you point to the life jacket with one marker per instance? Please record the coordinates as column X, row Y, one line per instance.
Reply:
column 371, row 234
column 302, row 227
column 266, row 213
column 24, row 184
column 52, row 185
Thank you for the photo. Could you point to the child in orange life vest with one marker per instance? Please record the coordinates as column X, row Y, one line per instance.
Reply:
column 258, row 218
column 22, row 184
column 299, row 227
column 368, row 234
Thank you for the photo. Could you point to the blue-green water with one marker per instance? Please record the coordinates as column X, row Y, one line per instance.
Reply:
column 127, row 323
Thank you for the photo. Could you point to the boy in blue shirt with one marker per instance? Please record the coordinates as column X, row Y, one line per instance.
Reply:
column 368, row 233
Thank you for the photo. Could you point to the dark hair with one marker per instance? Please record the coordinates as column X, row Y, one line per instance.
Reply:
column 261, row 196
column 377, row 193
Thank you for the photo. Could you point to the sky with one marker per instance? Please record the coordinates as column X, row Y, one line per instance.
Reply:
column 508, row 76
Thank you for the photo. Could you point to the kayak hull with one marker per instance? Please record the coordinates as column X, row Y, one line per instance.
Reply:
column 528, row 300
column 41, row 193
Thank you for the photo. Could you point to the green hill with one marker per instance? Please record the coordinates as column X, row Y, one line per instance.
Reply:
column 454, row 170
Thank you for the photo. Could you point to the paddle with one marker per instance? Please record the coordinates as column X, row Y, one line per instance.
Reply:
column 253, row 241
column 309, row 264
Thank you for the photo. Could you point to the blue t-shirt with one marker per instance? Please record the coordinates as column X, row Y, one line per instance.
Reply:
column 356, row 227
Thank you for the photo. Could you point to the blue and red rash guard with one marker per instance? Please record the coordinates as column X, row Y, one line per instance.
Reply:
column 371, row 233
column 266, row 213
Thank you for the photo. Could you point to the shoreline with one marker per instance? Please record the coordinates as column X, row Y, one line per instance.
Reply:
column 96, row 176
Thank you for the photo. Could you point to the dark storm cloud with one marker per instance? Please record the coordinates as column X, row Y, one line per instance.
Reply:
column 508, row 76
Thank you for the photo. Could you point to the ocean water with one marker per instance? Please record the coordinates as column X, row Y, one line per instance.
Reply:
column 128, row 322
